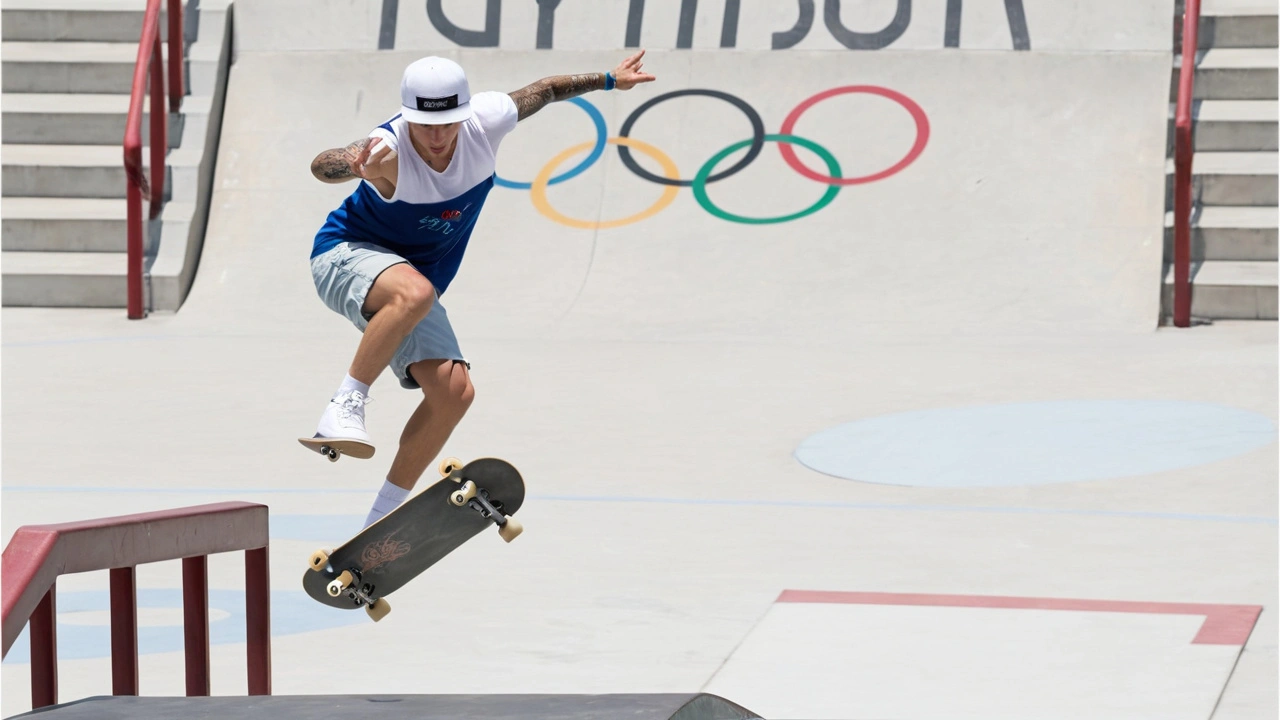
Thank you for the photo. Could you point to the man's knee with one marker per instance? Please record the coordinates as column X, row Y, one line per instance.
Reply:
column 417, row 296
column 448, row 387
column 403, row 287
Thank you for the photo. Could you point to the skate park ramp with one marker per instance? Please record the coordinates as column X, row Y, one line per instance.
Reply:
column 773, row 419
column 975, row 194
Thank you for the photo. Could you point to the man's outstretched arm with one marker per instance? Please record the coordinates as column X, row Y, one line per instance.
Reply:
column 359, row 160
column 335, row 166
column 535, row 96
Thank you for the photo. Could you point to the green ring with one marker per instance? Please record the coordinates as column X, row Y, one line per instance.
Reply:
column 700, row 181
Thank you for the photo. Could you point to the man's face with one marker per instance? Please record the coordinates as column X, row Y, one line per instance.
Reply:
column 436, row 139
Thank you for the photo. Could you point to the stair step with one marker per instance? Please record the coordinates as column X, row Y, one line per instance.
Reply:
column 77, row 20
column 1232, row 24
column 1229, row 290
column 1233, row 125
column 88, row 171
column 85, row 119
column 39, row 279
column 1231, row 74
column 1230, row 178
column 79, row 67
column 1229, row 233
column 61, row 225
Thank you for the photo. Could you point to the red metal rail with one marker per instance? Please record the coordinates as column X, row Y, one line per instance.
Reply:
column 1183, row 151
column 150, row 62
column 38, row 554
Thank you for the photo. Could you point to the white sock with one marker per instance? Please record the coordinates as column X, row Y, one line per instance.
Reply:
column 389, row 498
column 349, row 383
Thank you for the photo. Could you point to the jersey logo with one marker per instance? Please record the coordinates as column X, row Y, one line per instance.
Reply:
column 444, row 223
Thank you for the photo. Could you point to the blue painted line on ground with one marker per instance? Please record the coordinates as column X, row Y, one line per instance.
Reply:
column 891, row 507
column 83, row 341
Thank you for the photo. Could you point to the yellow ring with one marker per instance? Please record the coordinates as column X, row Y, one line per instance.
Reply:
column 538, row 191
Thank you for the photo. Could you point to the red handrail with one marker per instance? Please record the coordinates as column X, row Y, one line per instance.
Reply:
column 38, row 554
column 149, row 62
column 1182, row 155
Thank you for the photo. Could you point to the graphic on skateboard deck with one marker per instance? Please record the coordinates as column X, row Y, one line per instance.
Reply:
column 385, row 556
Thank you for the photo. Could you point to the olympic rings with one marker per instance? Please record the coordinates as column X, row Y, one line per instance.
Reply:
column 757, row 135
column 922, row 133
column 539, row 190
column 671, row 179
column 700, row 181
column 602, row 132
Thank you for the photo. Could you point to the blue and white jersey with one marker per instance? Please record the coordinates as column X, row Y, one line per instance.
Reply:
column 429, row 219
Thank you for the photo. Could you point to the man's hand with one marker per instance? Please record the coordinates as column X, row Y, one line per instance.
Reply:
column 370, row 165
column 358, row 160
column 628, row 73
column 535, row 96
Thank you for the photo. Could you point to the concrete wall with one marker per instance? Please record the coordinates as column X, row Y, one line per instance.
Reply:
column 1082, row 25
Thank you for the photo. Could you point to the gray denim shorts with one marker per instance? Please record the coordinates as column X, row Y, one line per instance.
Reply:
column 343, row 277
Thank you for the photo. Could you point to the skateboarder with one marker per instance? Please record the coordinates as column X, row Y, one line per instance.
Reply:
column 387, row 254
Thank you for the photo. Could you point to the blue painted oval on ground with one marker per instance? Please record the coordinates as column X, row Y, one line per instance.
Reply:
column 1034, row 443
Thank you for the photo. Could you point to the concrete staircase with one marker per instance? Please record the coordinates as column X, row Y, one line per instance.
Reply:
column 67, row 73
column 1234, row 215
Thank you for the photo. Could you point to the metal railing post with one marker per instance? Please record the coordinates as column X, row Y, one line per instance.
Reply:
column 124, row 631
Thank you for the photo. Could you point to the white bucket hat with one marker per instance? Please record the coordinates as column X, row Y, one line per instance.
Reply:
column 434, row 91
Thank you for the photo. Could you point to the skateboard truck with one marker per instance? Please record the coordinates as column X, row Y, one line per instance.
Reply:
column 478, row 499
column 350, row 582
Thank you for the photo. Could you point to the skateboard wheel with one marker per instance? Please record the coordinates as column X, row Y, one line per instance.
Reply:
column 461, row 496
column 378, row 609
column 340, row 583
column 448, row 465
column 331, row 453
column 319, row 559
column 510, row 530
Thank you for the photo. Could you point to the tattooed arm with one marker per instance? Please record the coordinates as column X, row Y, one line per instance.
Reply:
column 356, row 161
column 532, row 98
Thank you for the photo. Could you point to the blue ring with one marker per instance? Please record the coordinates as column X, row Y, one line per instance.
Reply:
column 602, row 136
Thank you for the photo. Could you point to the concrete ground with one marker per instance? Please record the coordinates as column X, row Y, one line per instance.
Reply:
column 665, row 388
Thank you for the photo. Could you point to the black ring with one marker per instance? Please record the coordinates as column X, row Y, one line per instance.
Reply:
column 757, row 136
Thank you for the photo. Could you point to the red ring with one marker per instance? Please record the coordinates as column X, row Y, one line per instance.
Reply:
column 917, row 114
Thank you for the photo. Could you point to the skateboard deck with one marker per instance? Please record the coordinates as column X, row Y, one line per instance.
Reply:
column 385, row 556
column 334, row 448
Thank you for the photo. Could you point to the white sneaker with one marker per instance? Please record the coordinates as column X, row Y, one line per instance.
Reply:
column 342, row 428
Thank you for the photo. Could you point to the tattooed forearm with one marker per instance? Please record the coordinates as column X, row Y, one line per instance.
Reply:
column 532, row 98
column 334, row 166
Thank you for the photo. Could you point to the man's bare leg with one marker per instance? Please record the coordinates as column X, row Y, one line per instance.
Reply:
column 447, row 393
column 399, row 299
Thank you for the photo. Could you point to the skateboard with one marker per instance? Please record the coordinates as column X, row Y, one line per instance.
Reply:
column 385, row 556
column 334, row 448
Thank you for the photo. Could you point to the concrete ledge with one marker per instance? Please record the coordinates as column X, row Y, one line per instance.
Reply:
column 81, row 67
column 1232, row 125
column 83, row 119
column 1229, row 233
column 88, row 171
column 40, row 279
column 64, row 225
column 1225, row 290
column 1230, row 178
column 1232, row 24
column 66, row 20
column 1231, row 74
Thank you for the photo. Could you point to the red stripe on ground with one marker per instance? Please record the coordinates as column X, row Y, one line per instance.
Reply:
column 1223, row 624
